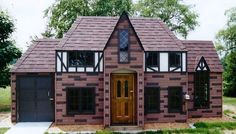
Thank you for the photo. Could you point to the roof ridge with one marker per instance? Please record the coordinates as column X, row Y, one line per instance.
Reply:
column 69, row 34
column 197, row 41
column 172, row 35
column 117, row 17
column 47, row 39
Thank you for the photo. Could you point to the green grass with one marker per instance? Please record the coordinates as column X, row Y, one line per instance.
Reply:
column 228, row 112
column 201, row 128
column 5, row 99
column 229, row 101
column 175, row 131
column 186, row 131
column 214, row 125
column 3, row 130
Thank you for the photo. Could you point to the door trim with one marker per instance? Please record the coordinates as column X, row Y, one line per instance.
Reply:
column 134, row 123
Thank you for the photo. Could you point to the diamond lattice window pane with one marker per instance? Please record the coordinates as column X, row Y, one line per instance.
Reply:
column 123, row 56
column 123, row 40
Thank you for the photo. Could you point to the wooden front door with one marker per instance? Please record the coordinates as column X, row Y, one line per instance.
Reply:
column 123, row 99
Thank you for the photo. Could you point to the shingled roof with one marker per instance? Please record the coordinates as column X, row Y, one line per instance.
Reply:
column 197, row 49
column 40, row 57
column 92, row 33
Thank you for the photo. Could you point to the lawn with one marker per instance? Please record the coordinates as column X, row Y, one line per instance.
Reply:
column 5, row 99
column 201, row 128
column 3, row 130
column 229, row 101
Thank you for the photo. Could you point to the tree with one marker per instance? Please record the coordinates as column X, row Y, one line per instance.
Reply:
column 63, row 13
column 178, row 16
column 110, row 7
column 230, row 75
column 8, row 51
column 226, row 46
column 226, row 38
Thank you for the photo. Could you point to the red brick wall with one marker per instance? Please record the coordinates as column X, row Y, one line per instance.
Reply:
column 64, row 80
column 215, row 109
column 13, row 98
column 111, row 64
column 165, row 80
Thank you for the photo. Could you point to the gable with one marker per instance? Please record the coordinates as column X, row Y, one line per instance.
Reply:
column 93, row 32
column 202, row 65
column 124, row 18
column 197, row 49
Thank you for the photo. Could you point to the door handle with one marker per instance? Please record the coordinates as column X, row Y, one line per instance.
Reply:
column 51, row 99
column 131, row 91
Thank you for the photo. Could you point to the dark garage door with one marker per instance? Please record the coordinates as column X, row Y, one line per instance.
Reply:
column 35, row 98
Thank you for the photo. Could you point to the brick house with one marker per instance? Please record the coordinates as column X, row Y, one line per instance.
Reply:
column 117, row 71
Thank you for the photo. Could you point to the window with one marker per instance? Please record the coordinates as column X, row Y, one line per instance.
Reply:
column 123, row 45
column 152, row 99
column 152, row 59
column 78, row 58
column 174, row 99
column 80, row 100
column 174, row 59
column 118, row 88
column 201, row 91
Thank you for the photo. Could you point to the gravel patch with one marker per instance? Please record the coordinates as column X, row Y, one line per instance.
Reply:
column 4, row 115
column 217, row 119
column 5, row 120
column 159, row 126
column 74, row 128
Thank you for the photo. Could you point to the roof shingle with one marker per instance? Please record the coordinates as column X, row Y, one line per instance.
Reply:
column 197, row 49
column 40, row 57
column 92, row 33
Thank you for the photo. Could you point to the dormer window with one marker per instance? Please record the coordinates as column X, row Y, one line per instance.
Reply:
column 80, row 58
column 123, row 46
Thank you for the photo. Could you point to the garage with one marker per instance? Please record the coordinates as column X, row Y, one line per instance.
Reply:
column 35, row 98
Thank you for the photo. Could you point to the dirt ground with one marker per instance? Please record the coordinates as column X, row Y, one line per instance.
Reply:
column 157, row 126
column 223, row 119
column 4, row 115
column 74, row 128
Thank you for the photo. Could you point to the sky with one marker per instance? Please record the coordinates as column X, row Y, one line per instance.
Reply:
column 29, row 18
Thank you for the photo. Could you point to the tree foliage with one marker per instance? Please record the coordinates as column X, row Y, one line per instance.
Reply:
column 178, row 16
column 8, row 51
column 226, row 38
column 230, row 75
column 174, row 13
column 226, row 46
column 63, row 13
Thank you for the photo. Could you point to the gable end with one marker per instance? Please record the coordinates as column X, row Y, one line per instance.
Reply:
column 123, row 16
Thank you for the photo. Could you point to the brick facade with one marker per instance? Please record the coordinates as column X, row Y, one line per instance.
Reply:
column 13, row 98
column 165, row 80
column 111, row 64
column 64, row 80
column 215, row 109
